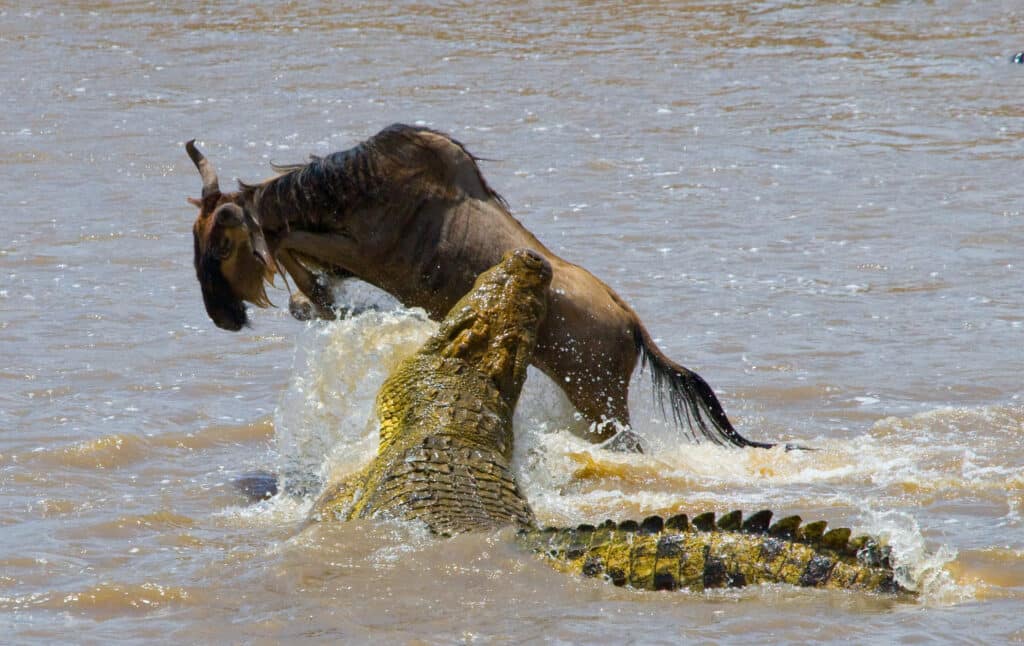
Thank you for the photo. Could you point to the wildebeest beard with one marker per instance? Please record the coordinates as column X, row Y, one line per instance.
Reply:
column 226, row 309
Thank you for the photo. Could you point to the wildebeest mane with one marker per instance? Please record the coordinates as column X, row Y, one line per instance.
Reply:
column 387, row 165
column 315, row 191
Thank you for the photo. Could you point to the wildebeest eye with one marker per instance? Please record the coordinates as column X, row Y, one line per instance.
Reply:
column 229, row 215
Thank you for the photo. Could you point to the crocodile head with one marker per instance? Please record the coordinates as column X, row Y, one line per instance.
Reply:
column 494, row 326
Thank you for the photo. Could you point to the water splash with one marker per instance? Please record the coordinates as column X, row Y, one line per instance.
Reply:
column 325, row 419
column 917, row 568
column 325, row 425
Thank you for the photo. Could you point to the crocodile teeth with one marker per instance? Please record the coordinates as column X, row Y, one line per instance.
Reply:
column 836, row 539
column 758, row 523
column 629, row 526
column 705, row 522
column 785, row 528
column 678, row 523
column 731, row 522
column 652, row 525
column 811, row 532
column 858, row 543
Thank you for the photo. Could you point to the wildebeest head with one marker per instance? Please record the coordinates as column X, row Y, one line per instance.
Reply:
column 231, row 257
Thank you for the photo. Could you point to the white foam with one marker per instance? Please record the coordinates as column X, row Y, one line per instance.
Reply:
column 326, row 425
column 325, row 420
column 272, row 512
column 916, row 567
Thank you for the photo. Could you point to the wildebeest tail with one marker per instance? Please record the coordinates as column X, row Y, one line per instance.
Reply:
column 693, row 404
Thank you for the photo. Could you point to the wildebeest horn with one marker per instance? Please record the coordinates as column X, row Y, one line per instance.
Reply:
column 210, row 185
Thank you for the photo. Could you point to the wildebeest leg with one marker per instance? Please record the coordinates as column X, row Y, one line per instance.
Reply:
column 314, row 297
column 599, row 407
column 599, row 390
column 327, row 248
column 364, row 261
column 609, row 417
column 301, row 308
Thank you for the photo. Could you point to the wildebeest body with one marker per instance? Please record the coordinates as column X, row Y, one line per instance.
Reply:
column 409, row 211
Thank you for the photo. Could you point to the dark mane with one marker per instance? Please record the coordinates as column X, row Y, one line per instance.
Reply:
column 316, row 190
column 319, row 191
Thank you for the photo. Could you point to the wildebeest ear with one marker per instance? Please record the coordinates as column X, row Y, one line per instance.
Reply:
column 195, row 201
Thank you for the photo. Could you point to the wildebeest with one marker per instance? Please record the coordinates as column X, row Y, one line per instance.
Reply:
column 409, row 211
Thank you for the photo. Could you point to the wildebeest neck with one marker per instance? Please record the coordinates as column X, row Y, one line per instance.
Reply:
column 404, row 200
column 395, row 162
column 313, row 196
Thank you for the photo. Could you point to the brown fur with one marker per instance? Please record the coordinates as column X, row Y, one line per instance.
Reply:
column 409, row 211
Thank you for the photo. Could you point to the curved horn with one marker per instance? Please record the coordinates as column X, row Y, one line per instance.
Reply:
column 210, row 185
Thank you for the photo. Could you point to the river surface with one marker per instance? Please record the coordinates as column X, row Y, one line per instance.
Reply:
column 815, row 204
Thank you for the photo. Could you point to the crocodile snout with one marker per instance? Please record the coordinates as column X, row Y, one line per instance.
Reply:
column 532, row 260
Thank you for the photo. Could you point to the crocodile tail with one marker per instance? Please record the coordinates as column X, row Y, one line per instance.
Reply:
column 693, row 404
column 676, row 553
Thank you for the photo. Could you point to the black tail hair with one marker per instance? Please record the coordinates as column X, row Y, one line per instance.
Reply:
column 693, row 404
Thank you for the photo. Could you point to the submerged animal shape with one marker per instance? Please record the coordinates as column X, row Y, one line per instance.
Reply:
column 409, row 211
column 445, row 460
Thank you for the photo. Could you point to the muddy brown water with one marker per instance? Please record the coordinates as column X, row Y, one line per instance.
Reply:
column 816, row 205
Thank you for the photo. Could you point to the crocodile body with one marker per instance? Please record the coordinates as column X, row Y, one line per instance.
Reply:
column 677, row 553
column 446, row 413
column 445, row 460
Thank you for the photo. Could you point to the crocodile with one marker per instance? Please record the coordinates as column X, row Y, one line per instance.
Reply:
column 445, row 456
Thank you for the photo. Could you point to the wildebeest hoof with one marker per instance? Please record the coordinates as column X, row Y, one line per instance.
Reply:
column 625, row 442
column 300, row 307
column 797, row 447
column 304, row 309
